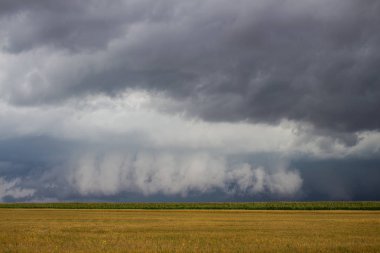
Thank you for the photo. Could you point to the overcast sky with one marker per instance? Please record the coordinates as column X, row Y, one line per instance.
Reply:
column 202, row 100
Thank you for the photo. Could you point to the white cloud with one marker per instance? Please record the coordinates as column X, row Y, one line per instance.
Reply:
column 176, row 174
column 12, row 189
column 131, row 117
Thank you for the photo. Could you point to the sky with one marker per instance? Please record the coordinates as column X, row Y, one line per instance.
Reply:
column 202, row 100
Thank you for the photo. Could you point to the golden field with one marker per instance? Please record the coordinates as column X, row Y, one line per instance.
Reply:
column 59, row 230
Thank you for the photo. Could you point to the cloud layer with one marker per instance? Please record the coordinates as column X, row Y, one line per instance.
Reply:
column 310, row 61
column 178, row 174
column 177, row 98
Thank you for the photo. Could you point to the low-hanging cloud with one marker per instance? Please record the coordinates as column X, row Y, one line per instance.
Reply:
column 45, row 169
column 12, row 189
column 105, row 148
column 177, row 174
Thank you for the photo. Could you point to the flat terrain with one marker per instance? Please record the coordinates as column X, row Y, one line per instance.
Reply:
column 70, row 230
column 318, row 205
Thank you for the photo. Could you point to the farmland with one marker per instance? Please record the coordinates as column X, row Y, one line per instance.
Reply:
column 118, row 230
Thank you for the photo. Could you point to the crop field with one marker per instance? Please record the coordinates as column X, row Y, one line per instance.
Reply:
column 110, row 230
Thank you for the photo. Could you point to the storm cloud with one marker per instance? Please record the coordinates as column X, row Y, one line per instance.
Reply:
column 176, row 98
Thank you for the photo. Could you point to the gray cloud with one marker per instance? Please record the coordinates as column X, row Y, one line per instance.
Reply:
column 43, row 169
column 72, row 25
column 10, row 189
column 263, row 61
column 169, row 98
column 342, row 179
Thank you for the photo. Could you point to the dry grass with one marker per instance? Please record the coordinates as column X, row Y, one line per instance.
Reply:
column 53, row 230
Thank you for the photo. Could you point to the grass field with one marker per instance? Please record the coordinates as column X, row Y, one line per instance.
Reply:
column 69, row 230
column 326, row 205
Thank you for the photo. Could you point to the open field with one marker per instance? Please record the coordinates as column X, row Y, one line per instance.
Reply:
column 69, row 230
column 326, row 205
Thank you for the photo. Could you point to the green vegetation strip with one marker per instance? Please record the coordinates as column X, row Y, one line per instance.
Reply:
column 336, row 205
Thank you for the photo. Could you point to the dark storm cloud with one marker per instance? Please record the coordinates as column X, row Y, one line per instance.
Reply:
column 41, row 168
column 73, row 25
column 29, row 168
column 343, row 179
column 70, row 132
column 263, row 61
column 36, row 169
